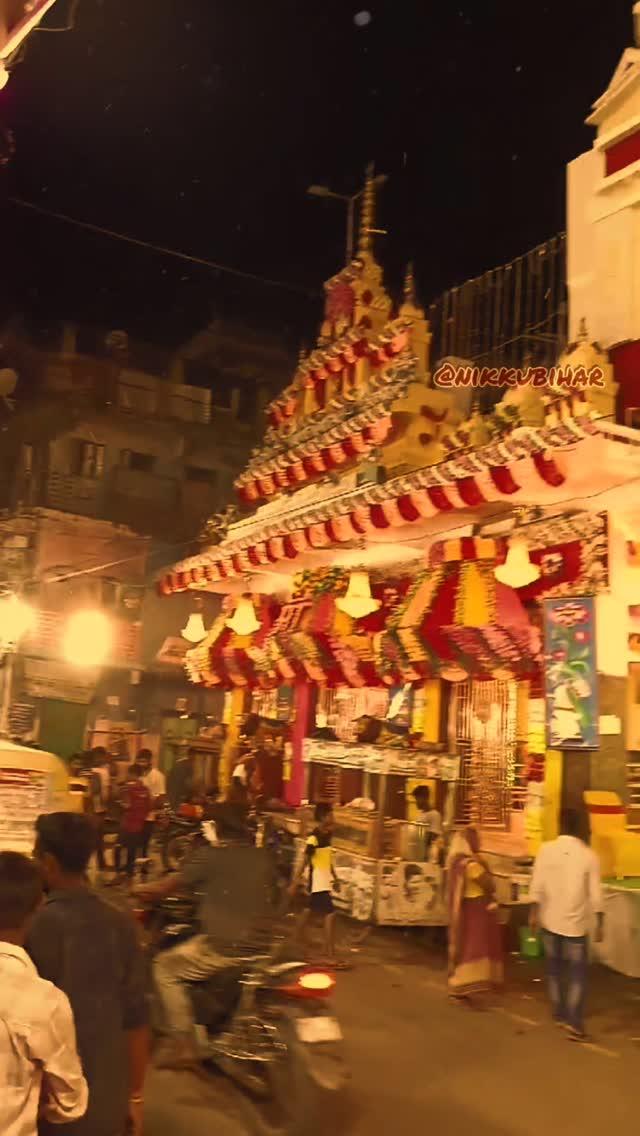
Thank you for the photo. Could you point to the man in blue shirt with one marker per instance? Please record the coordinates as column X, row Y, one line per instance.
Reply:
column 90, row 951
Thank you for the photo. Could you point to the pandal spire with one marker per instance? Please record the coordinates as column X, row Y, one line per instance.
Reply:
column 409, row 285
column 368, row 216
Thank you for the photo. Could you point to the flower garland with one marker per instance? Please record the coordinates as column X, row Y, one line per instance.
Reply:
column 476, row 596
column 409, row 618
column 319, row 582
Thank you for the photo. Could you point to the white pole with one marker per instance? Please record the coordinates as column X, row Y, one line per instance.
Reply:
column 6, row 693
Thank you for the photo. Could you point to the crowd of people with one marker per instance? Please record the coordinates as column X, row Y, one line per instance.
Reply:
column 75, row 990
column 127, row 806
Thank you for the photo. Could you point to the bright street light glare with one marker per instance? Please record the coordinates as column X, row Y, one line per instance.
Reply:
column 87, row 639
column 16, row 619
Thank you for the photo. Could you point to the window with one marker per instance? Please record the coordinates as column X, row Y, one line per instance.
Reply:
column 108, row 593
column 88, row 342
column 222, row 393
column 89, row 459
column 198, row 374
column 198, row 473
column 132, row 459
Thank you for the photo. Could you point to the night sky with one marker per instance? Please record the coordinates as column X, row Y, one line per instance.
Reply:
column 198, row 124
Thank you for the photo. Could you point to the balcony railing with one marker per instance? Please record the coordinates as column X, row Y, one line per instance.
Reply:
column 74, row 494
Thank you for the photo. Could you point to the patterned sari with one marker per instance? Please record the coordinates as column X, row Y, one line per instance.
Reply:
column 476, row 962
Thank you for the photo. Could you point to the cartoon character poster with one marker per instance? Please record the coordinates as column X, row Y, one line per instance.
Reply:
column 571, row 676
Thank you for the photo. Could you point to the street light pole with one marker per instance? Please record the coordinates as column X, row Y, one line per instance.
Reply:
column 350, row 201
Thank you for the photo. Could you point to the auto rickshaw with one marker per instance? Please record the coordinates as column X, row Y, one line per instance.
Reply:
column 32, row 782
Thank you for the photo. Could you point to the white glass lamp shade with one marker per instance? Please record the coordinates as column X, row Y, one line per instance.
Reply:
column 454, row 673
column 358, row 600
column 244, row 620
column 195, row 630
column 517, row 570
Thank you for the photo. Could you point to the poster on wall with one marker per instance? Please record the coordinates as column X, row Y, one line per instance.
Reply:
column 571, row 676
column 355, row 892
column 411, row 895
column 24, row 795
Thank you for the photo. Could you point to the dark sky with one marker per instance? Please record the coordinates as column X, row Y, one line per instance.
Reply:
column 198, row 124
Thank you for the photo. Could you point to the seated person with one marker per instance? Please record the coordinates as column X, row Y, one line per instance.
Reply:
column 427, row 818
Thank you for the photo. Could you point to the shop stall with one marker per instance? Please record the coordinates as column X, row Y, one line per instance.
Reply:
column 390, row 866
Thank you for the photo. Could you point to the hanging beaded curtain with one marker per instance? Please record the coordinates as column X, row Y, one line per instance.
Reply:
column 484, row 724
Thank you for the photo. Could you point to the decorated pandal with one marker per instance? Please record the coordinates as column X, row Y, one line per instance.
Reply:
column 389, row 589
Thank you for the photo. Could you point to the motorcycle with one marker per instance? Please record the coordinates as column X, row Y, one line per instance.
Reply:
column 268, row 1025
column 177, row 834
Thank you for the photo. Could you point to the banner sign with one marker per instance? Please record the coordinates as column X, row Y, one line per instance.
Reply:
column 571, row 676
column 24, row 795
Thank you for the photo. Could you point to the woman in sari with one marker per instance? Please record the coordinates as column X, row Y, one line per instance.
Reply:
column 476, row 965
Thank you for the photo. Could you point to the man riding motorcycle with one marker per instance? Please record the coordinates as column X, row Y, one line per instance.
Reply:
column 235, row 880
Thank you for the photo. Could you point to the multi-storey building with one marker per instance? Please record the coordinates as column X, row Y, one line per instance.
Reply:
column 109, row 465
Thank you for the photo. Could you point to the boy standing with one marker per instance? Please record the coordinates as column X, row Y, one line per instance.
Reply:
column 136, row 806
column 318, row 864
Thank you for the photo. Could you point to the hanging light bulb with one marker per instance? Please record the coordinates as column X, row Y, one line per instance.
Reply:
column 358, row 600
column 244, row 620
column 195, row 630
column 517, row 570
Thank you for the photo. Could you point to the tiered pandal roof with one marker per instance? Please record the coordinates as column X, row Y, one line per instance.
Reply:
column 346, row 396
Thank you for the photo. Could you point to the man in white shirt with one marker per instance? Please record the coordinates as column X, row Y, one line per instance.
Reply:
column 428, row 818
column 566, row 892
column 100, row 791
column 40, row 1071
column 156, row 783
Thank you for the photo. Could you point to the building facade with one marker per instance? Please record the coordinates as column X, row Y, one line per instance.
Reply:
column 110, row 463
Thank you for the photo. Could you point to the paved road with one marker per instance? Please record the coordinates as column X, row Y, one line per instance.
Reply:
column 419, row 1062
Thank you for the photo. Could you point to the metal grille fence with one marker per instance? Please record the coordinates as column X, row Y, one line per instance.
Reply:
column 512, row 315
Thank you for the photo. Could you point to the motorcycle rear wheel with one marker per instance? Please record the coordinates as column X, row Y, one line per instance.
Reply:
column 304, row 1091
column 177, row 850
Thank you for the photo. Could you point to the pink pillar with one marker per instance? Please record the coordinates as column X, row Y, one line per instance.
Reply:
column 302, row 706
